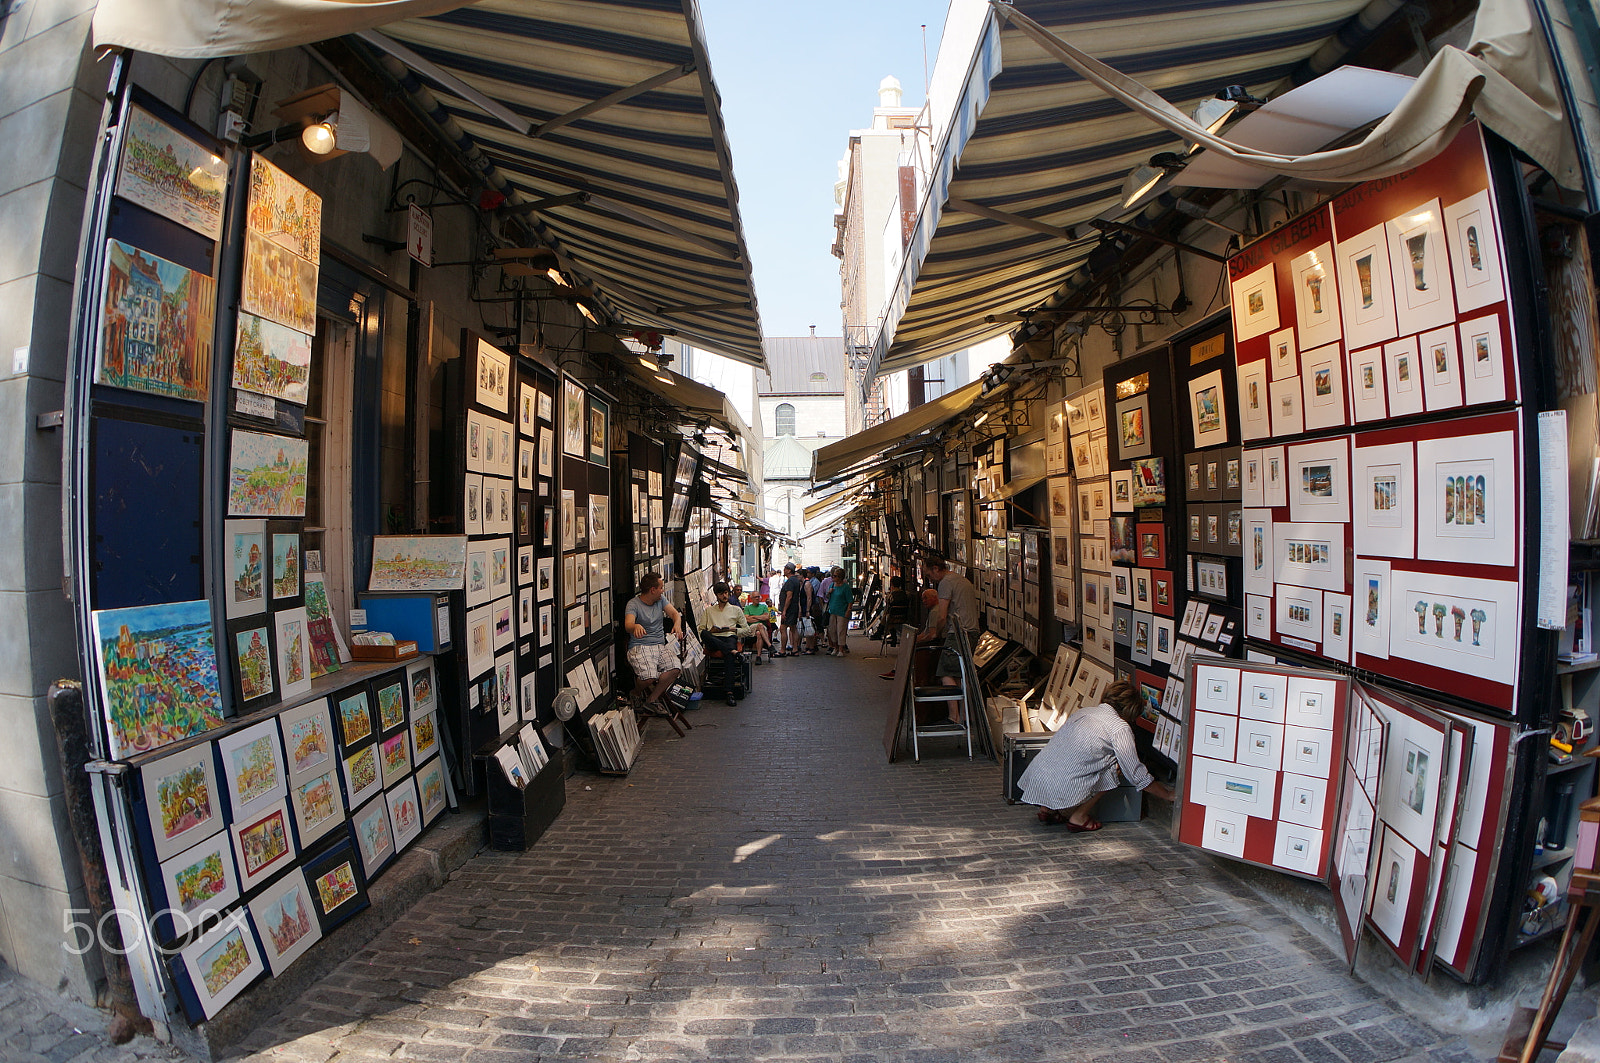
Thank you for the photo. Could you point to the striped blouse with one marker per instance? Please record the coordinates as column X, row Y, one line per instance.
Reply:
column 1082, row 759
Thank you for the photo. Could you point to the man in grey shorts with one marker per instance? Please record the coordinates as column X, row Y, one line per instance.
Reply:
column 958, row 606
column 653, row 659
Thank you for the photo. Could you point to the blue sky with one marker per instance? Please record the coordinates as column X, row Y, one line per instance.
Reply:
column 795, row 79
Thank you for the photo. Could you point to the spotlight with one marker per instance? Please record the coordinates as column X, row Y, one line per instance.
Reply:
column 320, row 138
column 1142, row 180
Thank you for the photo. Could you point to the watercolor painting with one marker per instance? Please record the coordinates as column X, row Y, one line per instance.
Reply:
column 285, row 566
column 224, row 962
column 574, row 438
column 423, row 736
column 337, row 887
column 267, row 475
column 391, row 706
column 372, row 831
column 201, row 882
column 294, row 661
column 255, row 663
column 278, row 285
column 270, row 359
column 247, row 541
column 184, row 800
column 156, row 326
column 431, row 784
column 421, row 689
column 307, row 739
column 396, row 757
column 263, row 842
column 418, row 563
column 362, row 769
column 254, row 768
column 286, row 920
column 315, row 802
column 158, row 674
column 283, row 210
column 167, row 173
column 355, row 717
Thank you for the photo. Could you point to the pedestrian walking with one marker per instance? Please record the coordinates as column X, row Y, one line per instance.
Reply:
column 839, row 599
column 789, row 602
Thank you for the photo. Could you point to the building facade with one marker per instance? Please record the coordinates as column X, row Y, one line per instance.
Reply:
column 802, row 408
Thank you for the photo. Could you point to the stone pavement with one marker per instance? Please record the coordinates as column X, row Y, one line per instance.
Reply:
column 770, row 888
column 37, row 1026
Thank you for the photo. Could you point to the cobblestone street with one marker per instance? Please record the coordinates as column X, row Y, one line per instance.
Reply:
column 770, row 888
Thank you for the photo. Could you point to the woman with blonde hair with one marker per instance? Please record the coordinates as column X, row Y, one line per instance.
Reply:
column 1082, row 761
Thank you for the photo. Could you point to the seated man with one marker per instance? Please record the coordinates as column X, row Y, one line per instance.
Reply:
column 758, row 614
column 725, row 624
column 653, row 659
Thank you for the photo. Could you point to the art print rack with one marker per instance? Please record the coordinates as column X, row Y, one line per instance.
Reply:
column 1392, row 803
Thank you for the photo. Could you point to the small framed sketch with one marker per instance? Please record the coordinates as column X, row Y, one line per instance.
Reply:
column 246, row 550
column 493, row 377
column 1133, row 427
column 200, row 882
column 1255, row 303
column 1474, row 242
column 1316, row 296
column 1121, row 492
column 1319, row 481
column 288, row 923
column 1255, row 417
column 1483, row 373
column 1404, row 373
column 1322, row 383
column 1441, row 369
column 374, row 835
column 1208, row 413
column 1288, row 418
column 263, row 843
column 338, row 888
column 1367, row 397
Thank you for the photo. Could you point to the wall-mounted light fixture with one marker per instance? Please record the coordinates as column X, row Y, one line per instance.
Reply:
column 330, row 122
column 1141, row 182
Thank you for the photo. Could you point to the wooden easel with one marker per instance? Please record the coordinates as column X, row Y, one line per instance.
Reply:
column 1530, row 1028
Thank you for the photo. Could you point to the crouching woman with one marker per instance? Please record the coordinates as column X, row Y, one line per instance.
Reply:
column 1080, row 762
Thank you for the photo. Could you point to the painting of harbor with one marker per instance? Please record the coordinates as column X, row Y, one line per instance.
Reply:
column 164, row 171
column 418, row 563
column 158, row 674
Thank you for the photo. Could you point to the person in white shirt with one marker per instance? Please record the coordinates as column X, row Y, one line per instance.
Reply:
column 1089, row 756
column 725, row 625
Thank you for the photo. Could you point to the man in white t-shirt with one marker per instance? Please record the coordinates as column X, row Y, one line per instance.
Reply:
column 957, row 606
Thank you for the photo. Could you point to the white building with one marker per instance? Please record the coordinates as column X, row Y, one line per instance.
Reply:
column 802, row 408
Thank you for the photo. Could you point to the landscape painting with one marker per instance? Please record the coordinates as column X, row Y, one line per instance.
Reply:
column 267, row 475
column 278, row 285
column 155, row 334
column 164, row 171
column 269, row 359
column 418, row 563
column 158, row 674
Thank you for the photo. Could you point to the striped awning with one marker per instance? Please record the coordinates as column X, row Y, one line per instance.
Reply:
column 1030, row 138
column 645, row 206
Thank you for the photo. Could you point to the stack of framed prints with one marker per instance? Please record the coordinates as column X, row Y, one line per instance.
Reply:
column 1382, row 510
column 1090, row 498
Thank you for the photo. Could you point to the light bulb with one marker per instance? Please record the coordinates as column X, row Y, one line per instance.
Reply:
column 318, row 138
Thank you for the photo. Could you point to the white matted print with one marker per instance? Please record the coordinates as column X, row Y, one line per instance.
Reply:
column 1482, row 364
column 1319, row 481
column 1260, row 744
column 1255, row 303
column 1385, row 500
column 1467, row 499
column 1336, row 627
column 1240, row 788
column 1474, row 241
column 1391, row 894
column 1367, row 399
column 1259, row 551
column 1252, row 489
column 1258, row 616
column 1214, row 734
column 1310, row 555
column 1465, row 625
column 1307, row 751
column 1366, row 298
column 1298, row 848
column 1305, row 797
column 1311, row 702
column 1275, row 473
column 1299, row 613
column 1263, row 696
column 1216, row 689
column 1288, row 416
column 1283, row 354
column 1224, row 833
column 1404, row 370
column 1372, row 607
column 1441, row 369
column 1208, row 411
column 1322, row 381
column 1413, row 767
column 1423, row 292
column 252, row 769
column 222, row 962
column 1316, row 296
column 1255, row 419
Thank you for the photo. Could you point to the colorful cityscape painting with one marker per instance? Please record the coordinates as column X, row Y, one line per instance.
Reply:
column 155, row 334
column 337, row 887
column 267, row 475
column 255, row 663
column 285, row 566
column 246, row 589
column 278, row 285
column 184, row 800
column 223, row 962
column 316, row 803
column 158, row 674
column 270, row 359
column 286, row 921
column 263, row 842
column 201, row 881
column 255, row 770
column 418, row 563
column 308, row 743
column 166, row 172
column 283, row 210
column 391, row 706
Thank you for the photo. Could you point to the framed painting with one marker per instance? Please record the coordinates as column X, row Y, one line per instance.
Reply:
column 278, row 284
column 1255, row 418
column 318, row 806
column 388, row 693
column 158, row 675
column 253, row 655
column 1441, row 369
column 1255, row 303
column 218, row 966
column 1423, row 288
column 198, row 883
column 1366, row 296
column 492, row 377
column 1287, row 414
column 430, row 789
column 1368, row 396
column 262, row 844
column 424, row 736
column 405, row 812
column 156, row 325
column 338, row 888
column 471, row 508
column 1474, row 242
column 1322, row 386
column 362, row 775
column 283, row 210
column 286, row 920
column 266, row 475
column 1319, row 481
column 245, row 546
column 527, row 403
column 418, row 563
column 292, row 641
column 1149, row 482
column 525, row 462
column 1133, row 428
column 284, row 587
column 1208, row 414
column 1316, row 296
column 182, row 799
column 394, row 757
column 574, row 423
column 252, row 769
column 1483, row 373
column 271, row 359
column 355, row 718
column 170, row 174
column 599, row 431
column 374, row 836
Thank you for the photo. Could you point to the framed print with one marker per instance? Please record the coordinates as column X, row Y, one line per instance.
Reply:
column 292, row 642
column 1371, row 607
column 1122, row 626
column 1482, row 363
column 1283, row 355
column 1368, row 400
column 493, row 377
column 424, row 736
column 1121, row 492
column 174, row 176
column 599, row 520
column 1196, row 529
column 1441, row 369
column 472, row 505
column 525, row 613
column 1252, row 486
column 1255, row 303
column 1124, row 546
column 1466, row 626
column 1149, row 482
column 430, row 790
column 574, row 423
column 1316, row 296
column 307, row 738
column 1208, row 413
column 1239, row 788
column 338, row 888
column 547, row 452
column 1143, row 636
column 1260, row 552
column 544, row 579
column 355, row 718
column 285, row 587
column 1298, row 613
column 1385, row 493
column 262, row 844
column 1336, row 627
column 1224, row 831
column 525, row 463
column 599, row 431
column 1133, row 427
column 199, row 882
column 1162, row 598
column 544, row 406
column 388, row 693
column 499, row 567
column 405, row 813
column 1473, row 238
column 245, row 545
column 475, row 441
column 1467, row 499
column 1264, row 697
column 1288, row 418
column 1322, row 383
column 417, row 563
column 1163, row 640
column 252, row 769
column 546, row 616
column 1141, row 590
column 1194, row 489
column 501, row 617
column 394, row 757
column 1423, row 290
column 1366, row 296
column 1211, row 477
column 1081, row 462
column 1255, row 407
column 1152, row 545
column 1232, row 476
column 182, row 799
column 1309, row 555
column 220, row 964
column 527, row 400
column 1099, row 462
column 374, row 835
column 1211, row 579
column 253, row 657
column 1392, row 894
column 286, row 921
column 505, row 687
column 317, row 804
column 1100, row 502
column 1275, row 482
column 362, row 775
column 1258, row 616
column 525, row 567
column 1405, row 379
column 1319, row 481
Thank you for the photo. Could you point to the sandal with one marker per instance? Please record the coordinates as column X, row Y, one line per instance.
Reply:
column 1081, row 828
column 1051, row 816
